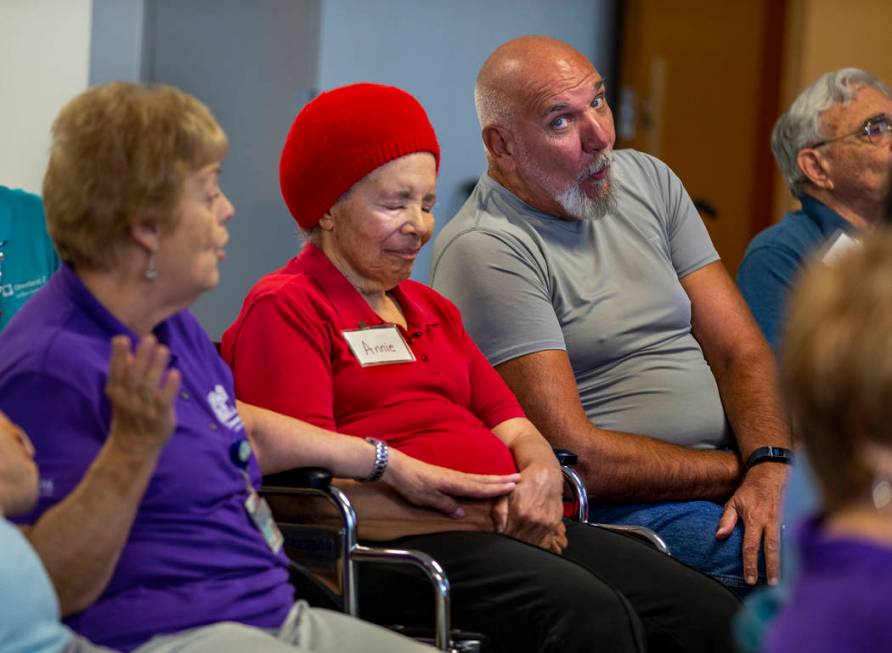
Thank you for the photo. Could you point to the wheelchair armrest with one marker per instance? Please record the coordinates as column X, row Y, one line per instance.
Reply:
column 316, row 481
column 435, row 574
column 580, row 495
column 316, row 478
column 565, row 457
column 641, row 533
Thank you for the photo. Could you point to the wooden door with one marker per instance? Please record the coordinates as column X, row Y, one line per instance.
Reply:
column 699, row 89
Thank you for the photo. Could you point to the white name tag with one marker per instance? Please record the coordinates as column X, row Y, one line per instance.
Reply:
column 382, row 345
column 840, row 244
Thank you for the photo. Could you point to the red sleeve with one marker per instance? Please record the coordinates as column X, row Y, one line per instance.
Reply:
column 280, row 354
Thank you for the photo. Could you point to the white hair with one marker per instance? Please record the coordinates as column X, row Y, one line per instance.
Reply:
column 493, row 107
column 582, row 207
column 312, row 235
column 800, row 125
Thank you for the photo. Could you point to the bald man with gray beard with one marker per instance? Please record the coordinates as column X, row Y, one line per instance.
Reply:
column 588, row 279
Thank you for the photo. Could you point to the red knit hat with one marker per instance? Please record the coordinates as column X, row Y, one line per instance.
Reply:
column 340, row 137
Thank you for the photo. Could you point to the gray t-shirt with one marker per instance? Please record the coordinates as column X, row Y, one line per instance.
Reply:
column 607, row 291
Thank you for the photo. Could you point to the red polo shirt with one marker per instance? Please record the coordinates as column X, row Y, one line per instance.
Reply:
column 288, row 353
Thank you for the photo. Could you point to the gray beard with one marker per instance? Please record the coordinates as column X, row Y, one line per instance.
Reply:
column 582, row 207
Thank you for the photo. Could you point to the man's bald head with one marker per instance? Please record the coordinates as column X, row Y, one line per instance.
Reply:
column 516, row 73
column 546, row 127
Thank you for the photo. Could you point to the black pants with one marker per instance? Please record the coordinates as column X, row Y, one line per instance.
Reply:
column 607, row 593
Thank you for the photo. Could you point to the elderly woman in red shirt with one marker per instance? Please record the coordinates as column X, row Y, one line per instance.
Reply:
column 341, row 338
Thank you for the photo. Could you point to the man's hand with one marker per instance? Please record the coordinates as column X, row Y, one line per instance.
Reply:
column 533, row 512
column 142, row 392
column 436, row 487
column 758, row 503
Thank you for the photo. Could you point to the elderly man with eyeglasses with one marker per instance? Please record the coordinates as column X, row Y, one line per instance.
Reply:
column 834, row 148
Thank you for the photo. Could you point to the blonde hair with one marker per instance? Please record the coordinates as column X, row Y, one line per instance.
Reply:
column 837, row 366
column 120, row 154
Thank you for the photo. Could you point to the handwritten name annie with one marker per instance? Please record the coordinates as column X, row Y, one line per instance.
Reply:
column 371, row 350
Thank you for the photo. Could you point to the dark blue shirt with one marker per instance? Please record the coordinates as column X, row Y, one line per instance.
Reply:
column 775, row 258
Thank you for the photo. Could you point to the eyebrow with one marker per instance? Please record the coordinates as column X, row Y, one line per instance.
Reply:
column 560, row 106
column 407, row 195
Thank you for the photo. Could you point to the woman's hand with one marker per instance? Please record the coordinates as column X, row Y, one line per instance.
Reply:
column 533, row 512
column 142, row 392
column 435, row 487
column 558, row 540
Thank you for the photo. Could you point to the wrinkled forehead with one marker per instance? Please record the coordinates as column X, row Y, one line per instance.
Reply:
column 867, row 103
column 562, row 82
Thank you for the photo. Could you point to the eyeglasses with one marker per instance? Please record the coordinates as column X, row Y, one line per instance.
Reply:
column 875, row 131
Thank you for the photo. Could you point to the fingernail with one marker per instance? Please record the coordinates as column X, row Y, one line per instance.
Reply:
column 458, row 514
column 750, row 580
column 773, row 581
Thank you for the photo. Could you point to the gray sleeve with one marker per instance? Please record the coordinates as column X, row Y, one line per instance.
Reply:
column 690, row 246
column 503, row 293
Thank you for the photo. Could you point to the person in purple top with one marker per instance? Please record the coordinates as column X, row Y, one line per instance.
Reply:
column 837, row 376
column 147, row 521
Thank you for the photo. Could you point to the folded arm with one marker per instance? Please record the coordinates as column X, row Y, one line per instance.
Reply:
column 383, row 514
column 281, row 442
column 532, row 512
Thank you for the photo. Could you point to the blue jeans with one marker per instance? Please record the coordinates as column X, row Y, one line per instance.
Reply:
column 689, row 529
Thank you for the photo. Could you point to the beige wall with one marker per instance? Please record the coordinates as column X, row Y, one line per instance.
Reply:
column 44, row 62
column 823, row 35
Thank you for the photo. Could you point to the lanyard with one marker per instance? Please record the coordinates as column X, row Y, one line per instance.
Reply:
column 256, row 506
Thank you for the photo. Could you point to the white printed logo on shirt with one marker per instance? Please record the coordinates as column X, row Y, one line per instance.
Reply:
column 225, row 411
column 47, row 486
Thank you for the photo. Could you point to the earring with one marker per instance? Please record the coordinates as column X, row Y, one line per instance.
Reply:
column 881, row 493
column 151, row 272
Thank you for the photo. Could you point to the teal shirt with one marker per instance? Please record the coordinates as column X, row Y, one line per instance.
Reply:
column 28, row 255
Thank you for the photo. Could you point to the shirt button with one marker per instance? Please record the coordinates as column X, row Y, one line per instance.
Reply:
column 184, row 394
column 212, row 426
column 425, row 357
column 417, row 334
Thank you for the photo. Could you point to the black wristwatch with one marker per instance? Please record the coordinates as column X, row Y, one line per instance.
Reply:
column 769, row 455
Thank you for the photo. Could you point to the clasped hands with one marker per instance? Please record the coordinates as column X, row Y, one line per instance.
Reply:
column 533, row 511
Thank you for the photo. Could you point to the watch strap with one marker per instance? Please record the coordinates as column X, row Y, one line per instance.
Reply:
column 381, row 458
column 769, row 455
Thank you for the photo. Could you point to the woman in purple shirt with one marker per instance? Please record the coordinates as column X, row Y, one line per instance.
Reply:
column 150, row 526
column 837, row 373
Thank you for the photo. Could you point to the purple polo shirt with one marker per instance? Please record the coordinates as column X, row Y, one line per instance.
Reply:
column 841, row 600
column 193, row 556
